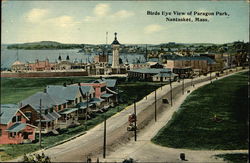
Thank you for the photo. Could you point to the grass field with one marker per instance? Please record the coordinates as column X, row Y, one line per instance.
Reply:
column 234, row 158
column 194, row 126
column 16, row 89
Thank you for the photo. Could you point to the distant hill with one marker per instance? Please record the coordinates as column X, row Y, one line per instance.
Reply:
column 45, row 45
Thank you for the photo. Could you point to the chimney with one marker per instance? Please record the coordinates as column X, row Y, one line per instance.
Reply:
column 21, row 105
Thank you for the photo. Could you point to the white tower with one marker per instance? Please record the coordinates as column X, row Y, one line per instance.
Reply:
column 115, row 59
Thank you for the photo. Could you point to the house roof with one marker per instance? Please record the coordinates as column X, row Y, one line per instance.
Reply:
column 63, row 93
column 83, row 105
column 47, row 100
column 16, row 127
column 96, row 100
column 106, row 95
column 8, row 111
column 87, row 89
column 50, row 117
column 111, row 91
column 151, row 70
column 110, row 82
column 176, row 57
column 68, row 110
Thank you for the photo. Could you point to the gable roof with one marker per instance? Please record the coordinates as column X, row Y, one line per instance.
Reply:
column 8, row 111
column 47, row 100
column 16, row 127
column 63, row 93
column 87, row 89
column 110, row 82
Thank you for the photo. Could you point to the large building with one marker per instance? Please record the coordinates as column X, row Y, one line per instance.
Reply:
column 146, row 73
column 199, row 64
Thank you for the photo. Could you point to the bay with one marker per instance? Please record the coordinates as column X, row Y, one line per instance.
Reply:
column 9, row 56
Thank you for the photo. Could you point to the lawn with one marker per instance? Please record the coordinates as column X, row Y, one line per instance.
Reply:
column 16, row 89
column 212, row 117
column 234, row 157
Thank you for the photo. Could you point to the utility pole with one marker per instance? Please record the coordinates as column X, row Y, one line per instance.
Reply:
column 171, row 91
column 135, row 119
column 155, row 107
column 40, row 124
column 117, row 94
column 86, row 112
column 210, row 76
column 104, row 138
column 161, row 78
column 183, row 85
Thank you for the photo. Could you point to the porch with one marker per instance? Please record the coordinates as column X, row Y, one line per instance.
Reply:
column 108, row 101
column 69, row 117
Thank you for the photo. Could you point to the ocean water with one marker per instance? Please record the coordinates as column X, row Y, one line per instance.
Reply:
column 8, row 57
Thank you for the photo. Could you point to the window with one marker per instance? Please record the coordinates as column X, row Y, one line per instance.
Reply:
column 19, row 118
column 51, row 110
column 12, row 134
column 0, row 132
column 59, row 107
column 28, row 114
column 64, row 105
column 103, row 89
column 14, row 119
column 76, row 101
column 46, row 111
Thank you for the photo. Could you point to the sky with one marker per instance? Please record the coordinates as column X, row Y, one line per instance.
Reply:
column 88, row 21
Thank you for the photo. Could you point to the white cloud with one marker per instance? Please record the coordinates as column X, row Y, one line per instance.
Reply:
column 90, row 18
column 36, row 15
column 152, row 28
column 101, row 9
column 63, row 21
column 123, row 14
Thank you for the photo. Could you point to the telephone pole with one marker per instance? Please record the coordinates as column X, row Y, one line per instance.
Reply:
column 86, row 112
column 40, row 124
column 155, row 107
column 171, row 91
column 183, row 85
column 210, row 76
column 135, row 120
column 104, row 138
